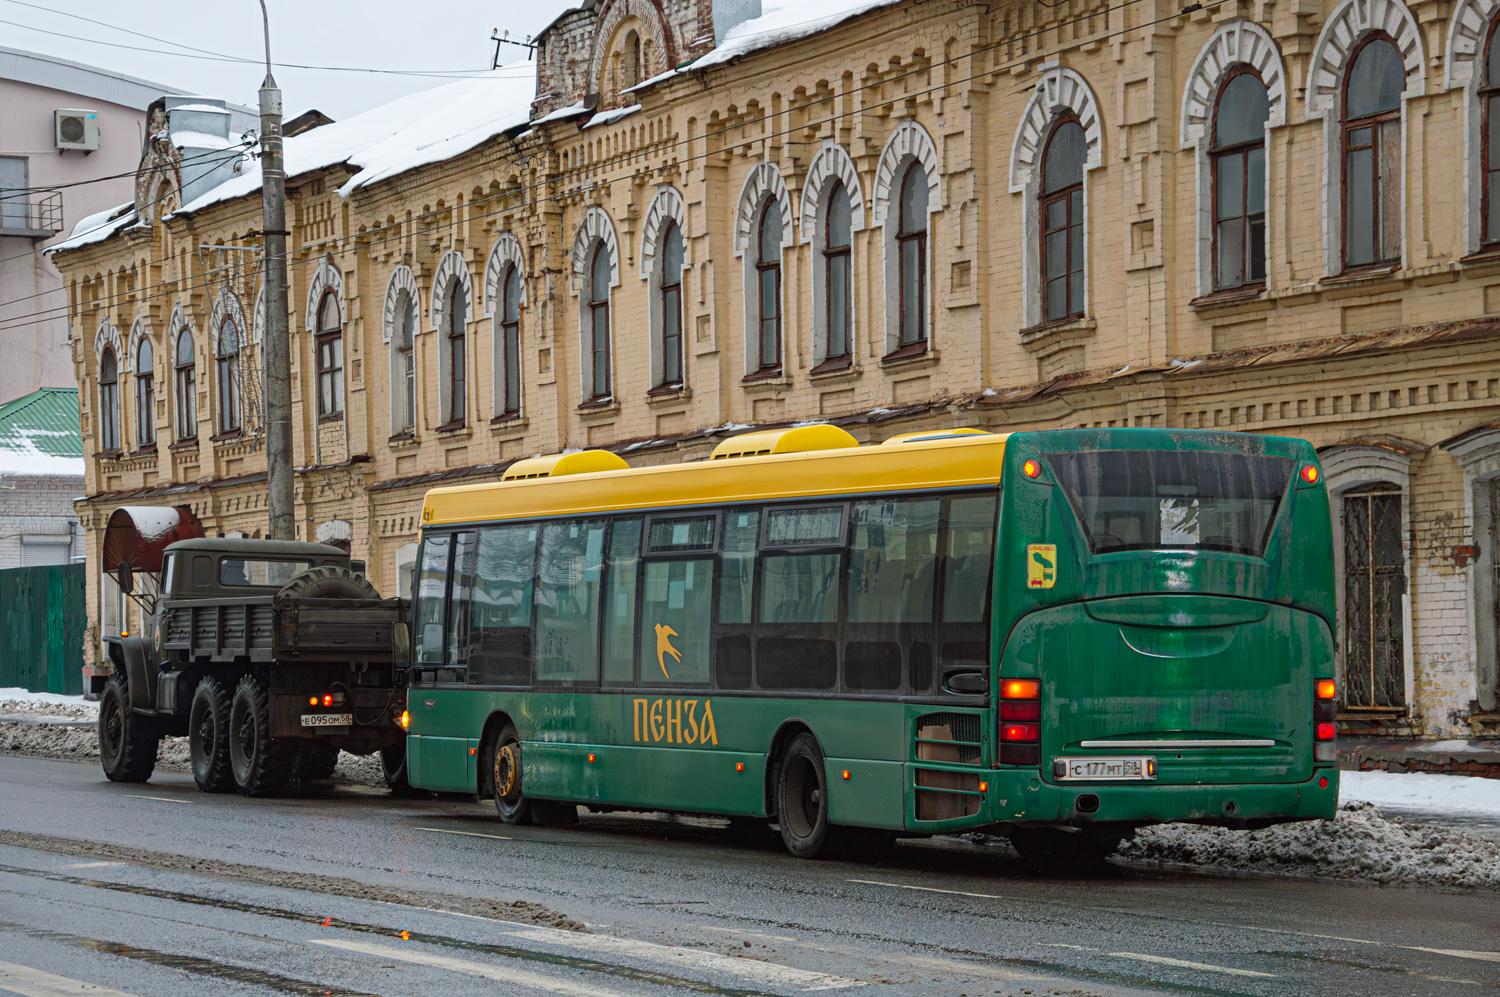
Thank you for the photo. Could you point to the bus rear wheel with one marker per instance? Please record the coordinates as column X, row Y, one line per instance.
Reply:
column 802, row 798
column 505, row 778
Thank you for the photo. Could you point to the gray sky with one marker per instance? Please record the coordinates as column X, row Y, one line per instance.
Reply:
column 436, row 35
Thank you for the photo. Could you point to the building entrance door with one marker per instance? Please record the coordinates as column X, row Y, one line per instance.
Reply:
column 1374, row 583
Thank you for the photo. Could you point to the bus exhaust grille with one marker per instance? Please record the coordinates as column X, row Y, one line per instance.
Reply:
column 959, row 732
column 951, row 738
column 946, row 795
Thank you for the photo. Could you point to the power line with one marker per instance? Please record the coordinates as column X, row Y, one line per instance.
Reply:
column 175, row 289
column 9, row 193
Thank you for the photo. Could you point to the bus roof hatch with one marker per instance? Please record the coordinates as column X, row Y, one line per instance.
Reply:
column 798, row 439
column 558, row 464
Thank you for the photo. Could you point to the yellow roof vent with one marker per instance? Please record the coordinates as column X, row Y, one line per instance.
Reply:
column 795, row 440
column 557, row 464
column 935, row 434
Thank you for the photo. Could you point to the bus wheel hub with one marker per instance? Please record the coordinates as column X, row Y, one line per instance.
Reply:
column 505, row 770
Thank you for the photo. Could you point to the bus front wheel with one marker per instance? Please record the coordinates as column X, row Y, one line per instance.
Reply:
column 802, row 798
column 505, row 778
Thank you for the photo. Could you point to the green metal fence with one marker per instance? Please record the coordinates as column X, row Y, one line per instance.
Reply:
column 42, row 619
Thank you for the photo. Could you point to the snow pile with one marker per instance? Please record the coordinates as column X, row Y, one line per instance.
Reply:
column 13, row 701
column 1423, row 791
column 1359, row 843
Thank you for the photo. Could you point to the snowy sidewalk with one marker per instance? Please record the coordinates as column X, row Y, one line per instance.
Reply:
column 1457, row 800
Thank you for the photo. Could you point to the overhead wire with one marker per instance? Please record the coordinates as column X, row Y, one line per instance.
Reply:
column 7, row 193
column 174, row 288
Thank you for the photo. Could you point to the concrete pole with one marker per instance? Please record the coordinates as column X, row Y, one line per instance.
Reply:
column 277, row 341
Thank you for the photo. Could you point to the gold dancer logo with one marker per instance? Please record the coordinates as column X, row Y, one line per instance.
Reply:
column 664, row 635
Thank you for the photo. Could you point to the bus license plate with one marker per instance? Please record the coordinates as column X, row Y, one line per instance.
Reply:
column 1132, row 769
column 327, row 719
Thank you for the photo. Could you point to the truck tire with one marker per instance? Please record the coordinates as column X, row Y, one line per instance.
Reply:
column 127, row 741
column 393, row 764
column 327, row 583
column 802, row 798
column 505, row 777
column 261, row 764
column 208, row 737
column 316, row 762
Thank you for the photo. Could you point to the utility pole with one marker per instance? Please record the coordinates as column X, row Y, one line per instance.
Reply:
column 277, row 342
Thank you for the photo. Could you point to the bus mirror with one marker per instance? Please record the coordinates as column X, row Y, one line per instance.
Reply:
column 967, row 683
column 125, row 578
column 400, row 644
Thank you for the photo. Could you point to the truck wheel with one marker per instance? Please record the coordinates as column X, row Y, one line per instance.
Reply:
column 505, row 776
column 393, row 764
column 127, row 742
column 802, row 798
column 261, row 765
column 316, row 762
column 208, row 737
column 327, row 583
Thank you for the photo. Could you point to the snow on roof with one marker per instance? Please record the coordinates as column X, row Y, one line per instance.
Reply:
column 783, row 21
column 425, row 127
column 97, row 227
column 605, row 117
column 39, row 435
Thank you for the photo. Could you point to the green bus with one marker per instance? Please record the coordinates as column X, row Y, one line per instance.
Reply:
column 1059, row 636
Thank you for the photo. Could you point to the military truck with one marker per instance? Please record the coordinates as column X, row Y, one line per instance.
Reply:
column 271, row 656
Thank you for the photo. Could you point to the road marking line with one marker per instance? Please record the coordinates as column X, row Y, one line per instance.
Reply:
column 467, row 834
column 926, row 889
column 90, row 865
column 1185, row 964
column 1458, row 953
column 733, row 931
column 35, row 983
column 507, row 974
column 766, row 972
column 158, row 799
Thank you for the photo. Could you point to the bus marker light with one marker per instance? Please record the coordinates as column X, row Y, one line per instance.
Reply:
column 1327, row 732
column 1151, row 768
column 1019, row 732
column 473, row 751
column 846, row 775
column 405, row 720
column 1327, row 689
column 739, row 766
column 1020, row 689
column 1323, row 783
column 312, row 701
column 984, row 787
column 592, row 757
column 1310, row 473
column 1032, row 469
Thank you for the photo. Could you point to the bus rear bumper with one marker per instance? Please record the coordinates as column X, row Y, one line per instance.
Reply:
column 1228, row 805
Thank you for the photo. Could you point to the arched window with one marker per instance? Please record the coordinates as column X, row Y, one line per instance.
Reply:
column 1489, row 94
column 228, row 364
column 1372, row 154
column 330, row 347
column 768, row 290
column 458, row 320
column 632, row 58
column 670, row 346
column 185, row 372
column 109, row 401
column 145, row 395
column 836, row 270
column 598, row 307
column 911, row 243
column 510, row 339
column 404, row 402
column 1061, row 204
column 1239, row 164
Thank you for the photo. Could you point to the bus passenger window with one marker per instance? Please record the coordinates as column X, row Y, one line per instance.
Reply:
column 460, row 597
column 619, row 613
column 893, row 551
column 737, row 565
column 969, row 559
column 676, row 618
column 502, row 606
column 800, row 588
column 431, row 603
column 569, row 573
column 799, row 622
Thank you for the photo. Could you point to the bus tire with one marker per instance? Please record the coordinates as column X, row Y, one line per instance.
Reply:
column 1056, row 849
column 316, row 762
column 802, row 798
column 208, row 737
column 393, row 767
column 127, row 741
column 505, row 777
column 261, row 764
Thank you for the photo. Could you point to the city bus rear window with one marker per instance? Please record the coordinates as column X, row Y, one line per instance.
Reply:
column 1155, row 499
column 259, row 574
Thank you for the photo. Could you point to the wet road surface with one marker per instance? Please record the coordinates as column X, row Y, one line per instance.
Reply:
column 159, row 890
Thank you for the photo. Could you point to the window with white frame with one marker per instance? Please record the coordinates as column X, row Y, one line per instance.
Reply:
column 1062, row 230
column 404, row 367
column 227, row 364
column 838, row 260
column 911, row 248
column 596, row 308
column 145, row 395
column 669, row 305
column 185, row 386
column 456, row 317
column 1238, row 153
column 1372, row 153
column 1489, row 95
column 330, row 348
column 767, row 287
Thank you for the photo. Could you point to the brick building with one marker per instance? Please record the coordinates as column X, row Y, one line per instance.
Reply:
column 701, row 216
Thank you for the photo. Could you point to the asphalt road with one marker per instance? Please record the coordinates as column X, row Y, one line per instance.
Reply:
column 159, row 890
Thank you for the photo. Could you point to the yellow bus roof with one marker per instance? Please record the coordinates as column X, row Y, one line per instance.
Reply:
column 953, row 462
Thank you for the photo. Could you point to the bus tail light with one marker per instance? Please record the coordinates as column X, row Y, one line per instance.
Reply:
column 1326, row 706
column 1020, row 727
column 1325, row 750
column 1032, row 469
column 1308, row 476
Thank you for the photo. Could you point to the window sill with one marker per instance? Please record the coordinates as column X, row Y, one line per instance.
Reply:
column 453, row 430
column 599, row 408
column 403, row 441
column 765, row 381
column 514, row 424
column 149, row 450
column 1358, row 275
column 834, row 369
column 331, row 417
column 232, row 436
column 918, row 355
column 189, row 445
column 1049, row 338
column 108, row 455
column 658, row 397
column 1229, row 297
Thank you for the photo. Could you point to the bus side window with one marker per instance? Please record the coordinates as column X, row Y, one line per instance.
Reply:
column 619, row 615
column 503, row 584
column 431, row 604
column 892, row 563
column 968, row 564
column 733, row 634
column 460, row 601
column 676, row 617
column 799, row 599
column 569, row 579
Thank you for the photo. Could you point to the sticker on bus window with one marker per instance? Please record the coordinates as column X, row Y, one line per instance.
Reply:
column 1041, row 566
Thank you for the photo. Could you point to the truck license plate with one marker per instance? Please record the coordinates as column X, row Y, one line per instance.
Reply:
column 327, row 719
column 1130, row 769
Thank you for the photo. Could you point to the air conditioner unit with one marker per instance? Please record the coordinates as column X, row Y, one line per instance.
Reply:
column 76, row 129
